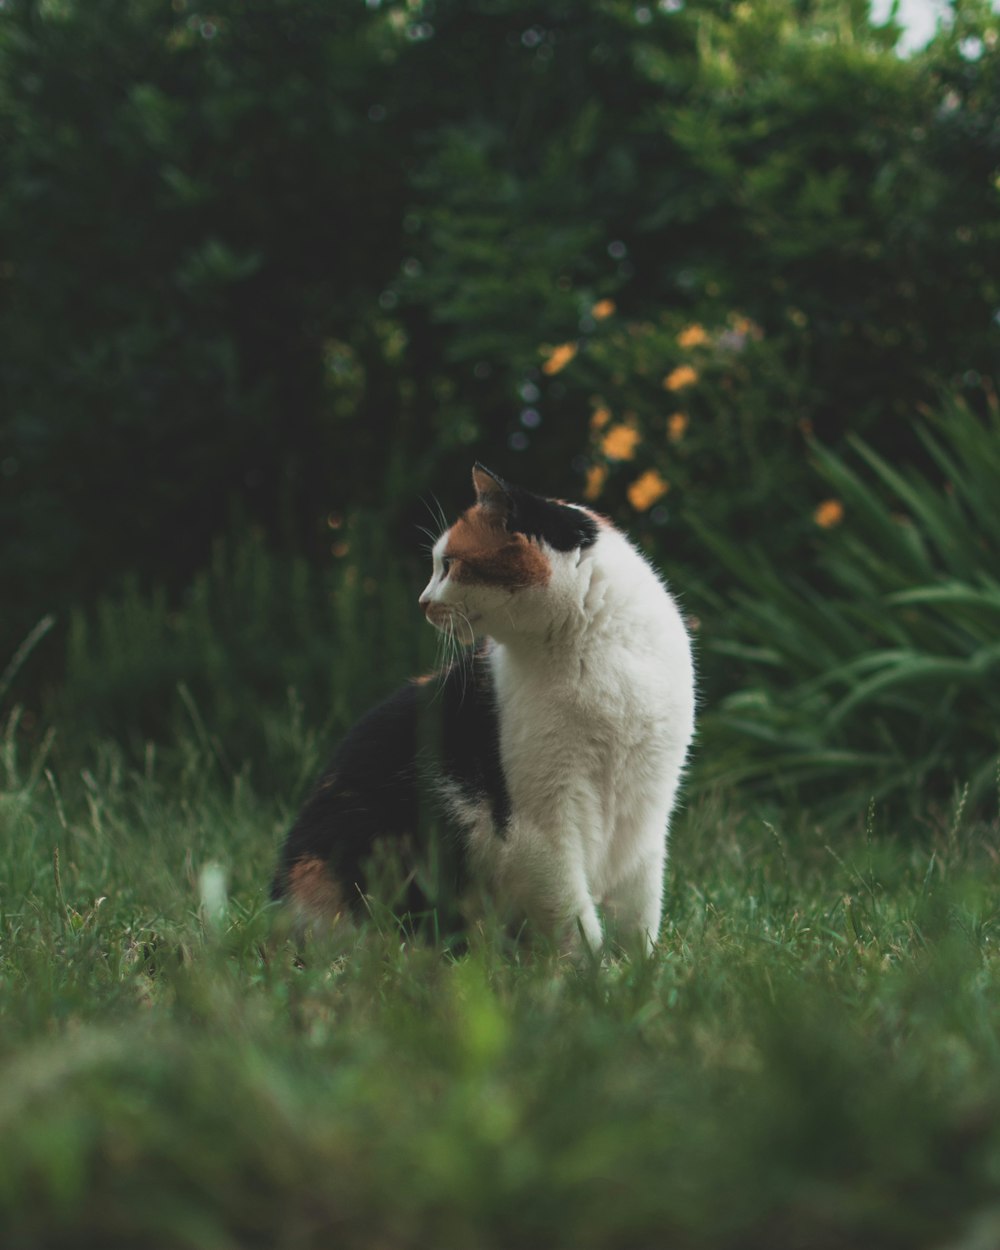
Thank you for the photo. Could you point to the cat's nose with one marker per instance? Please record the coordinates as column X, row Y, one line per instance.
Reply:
column 425, row 603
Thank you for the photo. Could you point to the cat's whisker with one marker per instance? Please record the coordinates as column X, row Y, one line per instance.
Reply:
column 437, row 515
column 439, row 653
column 441, row 519
column 446, row 643
column 462, row 617
column 447, row 647
column 444, row 659
column 431, row 536
column 452, row 644
column 456, row 646
column 460, row 649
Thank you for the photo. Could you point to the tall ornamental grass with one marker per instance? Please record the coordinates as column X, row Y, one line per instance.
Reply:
column 878, row 674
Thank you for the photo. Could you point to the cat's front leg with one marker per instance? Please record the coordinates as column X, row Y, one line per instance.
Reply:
column 546, row 882
column 634, row 905
column 567, row 916
column 581, row 928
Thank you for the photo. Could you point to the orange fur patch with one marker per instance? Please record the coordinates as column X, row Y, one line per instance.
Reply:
column 484, row 551
column 313, row 888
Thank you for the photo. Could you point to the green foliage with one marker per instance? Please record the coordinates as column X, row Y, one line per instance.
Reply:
column 256, row 643
column 879, row 674
column 815, row 1039
column 178, row 257
column 293, row 255
column 775, row 163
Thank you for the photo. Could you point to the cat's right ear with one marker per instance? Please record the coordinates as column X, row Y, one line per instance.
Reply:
column 492, row 494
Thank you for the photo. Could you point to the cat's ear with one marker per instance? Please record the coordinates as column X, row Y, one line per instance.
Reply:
column 492, row 494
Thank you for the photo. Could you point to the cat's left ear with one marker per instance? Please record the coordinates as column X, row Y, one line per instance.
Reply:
column 492, row 494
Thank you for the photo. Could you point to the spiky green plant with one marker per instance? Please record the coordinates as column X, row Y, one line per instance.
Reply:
column 879, row 675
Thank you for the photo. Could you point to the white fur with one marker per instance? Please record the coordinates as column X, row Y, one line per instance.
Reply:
column 595, row 689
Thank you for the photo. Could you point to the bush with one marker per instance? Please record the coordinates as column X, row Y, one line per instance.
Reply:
column 296, row 256
column 770, row 165
column 880, row 674
column 685, row 420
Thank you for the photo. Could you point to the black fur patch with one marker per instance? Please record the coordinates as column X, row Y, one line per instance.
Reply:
column 380, row 788
column 471, row 738
column 562, row 527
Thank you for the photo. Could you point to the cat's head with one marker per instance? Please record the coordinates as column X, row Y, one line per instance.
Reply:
column 509, row 564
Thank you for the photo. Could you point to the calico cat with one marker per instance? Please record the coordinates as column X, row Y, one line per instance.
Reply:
column 550, row 750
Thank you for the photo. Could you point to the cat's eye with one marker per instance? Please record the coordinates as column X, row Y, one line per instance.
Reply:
column 446, row 563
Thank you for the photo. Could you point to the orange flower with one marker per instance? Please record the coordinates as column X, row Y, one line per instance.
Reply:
column 683, row 375
column 620, row 442
column 600, row 418
column 597, row 475
column 676, row 426
column 559, row 358
column 693, row 336
column 602, row 309
column 829, row 513
column 645, row 490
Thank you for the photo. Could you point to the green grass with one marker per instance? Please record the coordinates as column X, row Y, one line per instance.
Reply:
column 809, row 1060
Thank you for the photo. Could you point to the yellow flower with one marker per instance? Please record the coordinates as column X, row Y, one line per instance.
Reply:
column 676, row 426
column 602, row 309
column 600, row 418
column 559, row 358
column 620, row 442
column 693, row 336
column 597, row 475
column 683, row 375
column 646, row 489
column 829, row 513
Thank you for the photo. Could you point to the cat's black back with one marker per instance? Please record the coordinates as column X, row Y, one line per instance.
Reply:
column 382, row 790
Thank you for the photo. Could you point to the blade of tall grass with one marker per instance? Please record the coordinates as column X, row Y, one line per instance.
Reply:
column 20, row 656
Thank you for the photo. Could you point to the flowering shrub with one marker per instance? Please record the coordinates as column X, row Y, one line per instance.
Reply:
column 672, row 417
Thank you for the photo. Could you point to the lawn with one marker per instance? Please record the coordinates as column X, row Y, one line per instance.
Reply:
column 809, row 1059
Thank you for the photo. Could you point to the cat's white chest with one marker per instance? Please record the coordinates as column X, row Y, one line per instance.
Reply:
column 559, row 720
column 593, row 740
column 594, row 698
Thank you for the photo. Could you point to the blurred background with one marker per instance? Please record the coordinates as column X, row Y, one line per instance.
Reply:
column 274, row 273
